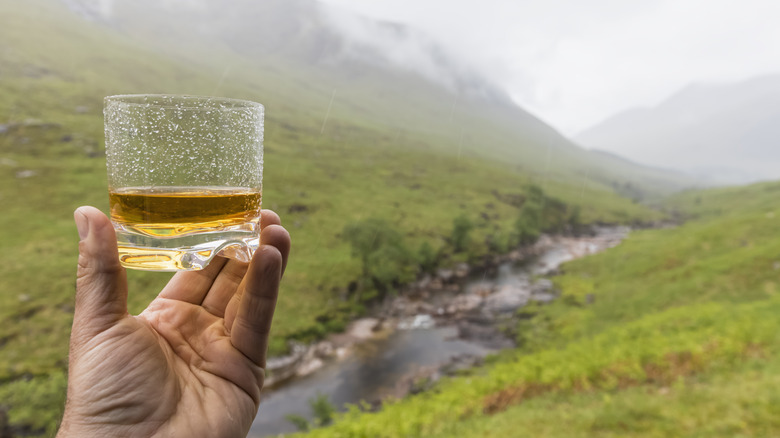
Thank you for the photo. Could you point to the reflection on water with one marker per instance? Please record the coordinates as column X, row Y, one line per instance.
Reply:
column 368, row 374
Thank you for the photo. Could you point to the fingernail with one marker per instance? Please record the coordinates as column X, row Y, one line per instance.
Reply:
column 82, row 224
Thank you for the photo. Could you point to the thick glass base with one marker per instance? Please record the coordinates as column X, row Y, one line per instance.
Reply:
column 190, row 252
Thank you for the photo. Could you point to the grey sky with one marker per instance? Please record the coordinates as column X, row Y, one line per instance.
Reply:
column 574, row 63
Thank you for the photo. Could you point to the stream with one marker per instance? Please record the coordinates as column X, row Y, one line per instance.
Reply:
column 445, row 324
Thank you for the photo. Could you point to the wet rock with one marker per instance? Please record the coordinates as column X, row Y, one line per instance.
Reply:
column 422, row 321
column 416, row 381
column 461, row 363
column 405, row 307
column 324, row 350
column 280, row 369
column 482, row 289
column 309, row 366
column 507, row 298
column 462, row 270
column 486, row 335
column 363, row 328
column 3, row 129
column 445, row 275
column 463, row 303
column 424, row 282
column 542, row 285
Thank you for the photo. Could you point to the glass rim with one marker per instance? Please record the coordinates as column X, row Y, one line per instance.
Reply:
column 140, row 100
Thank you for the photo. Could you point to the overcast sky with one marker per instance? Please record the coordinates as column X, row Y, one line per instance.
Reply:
column 574, row 63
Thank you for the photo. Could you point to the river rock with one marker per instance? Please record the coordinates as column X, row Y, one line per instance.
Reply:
column 460, row 363
column 424, row 282
column 309, row 366
column 508, row 298
column 445, row 275
column 484, row 334
column 324, row 349
column 544, row 297
column 463, row 303
column 362, row 328
column 422, row 321
column 541, row 286
column 482, row 289
column 404, row 307
column 281, row 368
column 415, row 381
column 462, row 270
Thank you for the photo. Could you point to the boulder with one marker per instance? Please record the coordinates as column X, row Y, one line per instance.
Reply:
column 542, row 285
column 508, row 298
column 463, row 303
column 462, row 270
column 445, row 275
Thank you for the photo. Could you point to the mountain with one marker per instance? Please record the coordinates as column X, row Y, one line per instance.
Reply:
column 376, row 72
column 351, row 133
column 726, row 133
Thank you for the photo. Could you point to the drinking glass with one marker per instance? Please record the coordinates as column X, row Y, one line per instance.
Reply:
column 184, row 179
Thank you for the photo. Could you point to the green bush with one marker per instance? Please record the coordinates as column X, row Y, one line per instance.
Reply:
column 385, row 259
column 461, row 229
column 427, row 257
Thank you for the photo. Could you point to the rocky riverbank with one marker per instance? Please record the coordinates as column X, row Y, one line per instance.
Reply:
column 477, row 300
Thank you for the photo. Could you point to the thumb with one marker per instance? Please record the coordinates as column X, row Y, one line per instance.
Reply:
column 101, row 285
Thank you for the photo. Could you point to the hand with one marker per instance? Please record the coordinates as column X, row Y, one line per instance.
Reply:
column 192, row 364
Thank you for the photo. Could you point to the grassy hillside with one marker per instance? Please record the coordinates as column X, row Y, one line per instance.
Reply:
column 673, row 333
column 54, row 70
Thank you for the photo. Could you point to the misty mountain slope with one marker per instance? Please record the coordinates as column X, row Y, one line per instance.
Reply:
column 727, row 133
column 374, row 143
column 379, row 75
column 331, row 159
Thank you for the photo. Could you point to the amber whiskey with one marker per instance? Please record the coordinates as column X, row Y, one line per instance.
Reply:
column 177, row 211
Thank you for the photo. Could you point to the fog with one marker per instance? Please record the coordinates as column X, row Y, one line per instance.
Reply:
column 580, row 65
column 576, row 65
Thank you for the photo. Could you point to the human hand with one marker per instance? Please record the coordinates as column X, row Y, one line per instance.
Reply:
column 192, row 364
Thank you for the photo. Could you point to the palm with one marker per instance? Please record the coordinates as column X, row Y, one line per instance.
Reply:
column 189, row 365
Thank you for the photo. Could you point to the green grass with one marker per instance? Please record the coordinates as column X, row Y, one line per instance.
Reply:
column 679, row 337
column 386, row 152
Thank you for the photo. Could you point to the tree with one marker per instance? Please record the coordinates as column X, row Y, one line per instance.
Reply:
column 528, row 225
column 461, row 228
column 384, row 258
column 427, row 257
